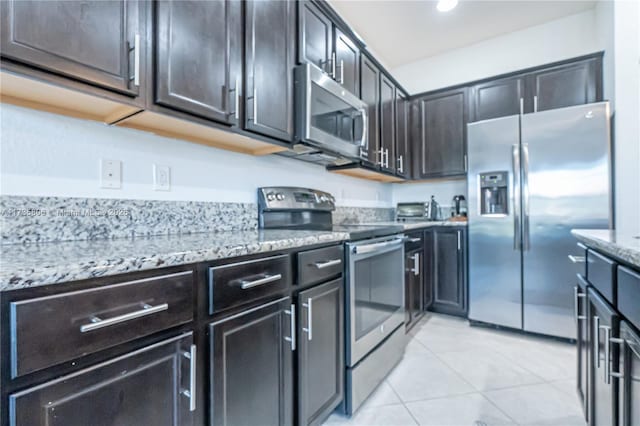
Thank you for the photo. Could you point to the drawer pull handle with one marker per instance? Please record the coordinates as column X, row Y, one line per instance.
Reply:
column 97, row 323
column 415, row 240
column 577, row 259
column 322, row 265
column 191, row 392
column 245, row 284
column 309, row 328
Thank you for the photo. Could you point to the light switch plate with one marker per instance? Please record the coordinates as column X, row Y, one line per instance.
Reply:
column 110, row 174
column 161, row 178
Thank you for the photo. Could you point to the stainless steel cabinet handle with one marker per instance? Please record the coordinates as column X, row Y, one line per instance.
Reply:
column 414, row 240
column 255, row 104
column 515, row 159
column 341, row 71
column 245, row 284
column 401, row 163
column 526, row 244
column 576, row 306
column 309, row 328
column 292, row 327
column 607, row 354
column 617, row 374
column 97, row 323
column 577, row 259
column 459, row 245
column 191, row 392
column 328, row 263
column 416, row 264
column 596, row 339
column 535, row 103
column 236, row 95
column 136, row 59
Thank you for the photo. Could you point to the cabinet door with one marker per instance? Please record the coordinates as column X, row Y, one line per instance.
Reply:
column 497, row 98
column 316, row 36
column 99, row 42
column 251, row 366
column 582, row 342
column 151, row 386
column 449, row 289
column 270, row 48
column 387, row 123
column 370, row 94
column 576, row 83
column 428, row 268
column 604, row 325
column 347, row 62
column 440, row 139
column 629, row 366
column 402, row 158
column 320, row 351
column 198, row 57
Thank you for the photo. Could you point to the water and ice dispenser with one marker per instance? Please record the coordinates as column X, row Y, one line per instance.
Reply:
column 494, row 193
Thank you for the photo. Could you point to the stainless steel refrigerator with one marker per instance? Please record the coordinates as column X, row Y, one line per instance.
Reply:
column 532, row 178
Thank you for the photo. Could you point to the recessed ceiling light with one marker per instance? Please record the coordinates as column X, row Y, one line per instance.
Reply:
column 446, row 5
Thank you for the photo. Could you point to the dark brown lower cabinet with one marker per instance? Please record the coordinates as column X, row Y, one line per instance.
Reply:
column 604, row 332
column 320, row 351
column 150, row 386
column 629, row 383
column 448, row 280
column 251, row 366
column 414, row 286
column 582, row 343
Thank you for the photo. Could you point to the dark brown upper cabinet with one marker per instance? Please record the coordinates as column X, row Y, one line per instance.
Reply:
column 439, row 129
column 101, row 43
column 403, row 156
column 387, row 123
column 316, row 37
column 370, row 94
column 566, row 85
column 497, row 98
column 270, row 41
column 347, row 62
column 199, row 58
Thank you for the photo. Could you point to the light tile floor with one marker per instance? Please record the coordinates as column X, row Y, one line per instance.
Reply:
column 453, row 374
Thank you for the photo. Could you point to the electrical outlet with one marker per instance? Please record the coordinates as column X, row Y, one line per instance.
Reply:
column 110, row 174
column 161, row 178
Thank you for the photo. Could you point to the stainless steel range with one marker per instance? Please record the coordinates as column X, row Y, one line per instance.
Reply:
column 374, row 271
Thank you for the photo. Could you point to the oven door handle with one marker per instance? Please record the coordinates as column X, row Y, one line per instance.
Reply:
column 370, row 248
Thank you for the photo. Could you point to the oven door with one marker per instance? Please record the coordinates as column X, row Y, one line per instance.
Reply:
column 375, row 297
column 332, row 118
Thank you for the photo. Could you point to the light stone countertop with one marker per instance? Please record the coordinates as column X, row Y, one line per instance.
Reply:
column 621, row 245
column 30, row 265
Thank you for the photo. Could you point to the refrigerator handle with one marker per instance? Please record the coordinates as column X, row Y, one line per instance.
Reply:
column 515, row 157
column 526, row 244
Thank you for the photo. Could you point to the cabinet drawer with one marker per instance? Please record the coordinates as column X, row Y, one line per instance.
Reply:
column 629, row 295
column 601, row 274
column 414, row 241
column 315, row 266
column 50, row 330
column 239, row 283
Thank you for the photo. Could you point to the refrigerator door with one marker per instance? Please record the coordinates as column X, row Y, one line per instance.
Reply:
column 495, row 292
column 565, row 185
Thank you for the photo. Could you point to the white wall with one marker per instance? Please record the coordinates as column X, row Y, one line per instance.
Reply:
column 47, row 154
column 626, row 68
column 443, row 191
column 563, row 38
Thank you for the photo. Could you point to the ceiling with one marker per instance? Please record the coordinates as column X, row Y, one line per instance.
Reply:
column 401, row 31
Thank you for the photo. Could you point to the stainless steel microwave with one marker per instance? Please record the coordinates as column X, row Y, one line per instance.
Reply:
column 329, row 116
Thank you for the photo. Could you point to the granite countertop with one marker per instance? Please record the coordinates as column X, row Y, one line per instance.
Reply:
column 49, row 263
column 621, row 245
column 411, row 225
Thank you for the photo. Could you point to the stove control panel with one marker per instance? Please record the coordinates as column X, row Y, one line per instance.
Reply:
column 294, row 198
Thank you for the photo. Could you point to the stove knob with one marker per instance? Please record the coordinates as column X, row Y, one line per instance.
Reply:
column 271, row 196
column 280, row 196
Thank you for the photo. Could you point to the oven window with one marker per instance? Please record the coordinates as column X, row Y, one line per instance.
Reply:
column 378, row 290
column 332, row 115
